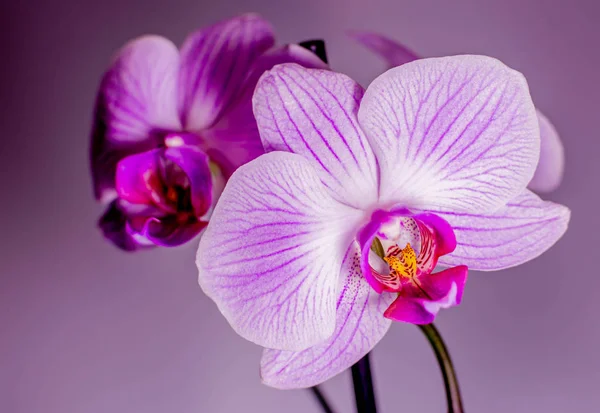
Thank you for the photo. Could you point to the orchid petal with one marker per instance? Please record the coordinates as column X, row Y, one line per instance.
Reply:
column 115, row 227
column 444, row 289
column 518, row 232
column 271, row 255
column 456, row 133
column 137, row 95
column 391, row 51
column 234, row 140
column 135, row 177
column 359, row 327
column 194, row 164
column 313, row 113
column 170, row 232
column 549, row 172
column 214, row 63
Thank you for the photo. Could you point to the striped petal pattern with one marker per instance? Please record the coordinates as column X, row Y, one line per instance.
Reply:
column 456, row 133
column 359, row 327
column 272, row 252
column 313, row 113
column 214, row 63
column 517, row 233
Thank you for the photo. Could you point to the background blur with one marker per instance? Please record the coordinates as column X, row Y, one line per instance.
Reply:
column 85, row 328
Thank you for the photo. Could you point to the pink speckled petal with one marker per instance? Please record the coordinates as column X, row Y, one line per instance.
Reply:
column 391, row 51
column 312, row 112
column 271, row 255
column 360, row 325
column 522, row 230
column 549, row 172
column 215, row 61
column 456, row 133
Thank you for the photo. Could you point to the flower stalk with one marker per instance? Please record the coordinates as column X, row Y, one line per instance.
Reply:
column 434, row 337
column 321, row 399
column 363, row 386
column 453, row 397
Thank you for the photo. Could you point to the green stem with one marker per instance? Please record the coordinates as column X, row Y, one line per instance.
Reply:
column 443, row 357
column 441, row 352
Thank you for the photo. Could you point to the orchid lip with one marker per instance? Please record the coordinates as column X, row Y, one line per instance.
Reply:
column 406, row 246
column 400, row 252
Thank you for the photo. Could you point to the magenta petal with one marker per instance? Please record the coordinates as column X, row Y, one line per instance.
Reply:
column 169, row 232
column 444, row 290
column 234, row 140
column 214, row 63
column 195, row 164
column 409, row 310
column 391, row 51
column 445, row 238
column 113, row 225
column 440, row 284
column 137, row 95
column 365, row 239
column 104, row 157
column 359, row 327
column 549, row 172
column 135, row 177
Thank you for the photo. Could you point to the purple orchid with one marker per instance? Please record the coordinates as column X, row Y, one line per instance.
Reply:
column 313, row 249
column 172, row 125
column 549, row 172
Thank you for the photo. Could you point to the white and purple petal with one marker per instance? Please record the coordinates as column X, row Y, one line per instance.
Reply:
column 271, row 255
column 137, row 96
column 215, row 61
column 518, row 232
column 548, row 174
column 360, row 325
column 313, row 113
column 456, row 133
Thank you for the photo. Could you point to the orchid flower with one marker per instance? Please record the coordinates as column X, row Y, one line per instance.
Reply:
column 549, row 171
column 170, row 127
column 314, row 248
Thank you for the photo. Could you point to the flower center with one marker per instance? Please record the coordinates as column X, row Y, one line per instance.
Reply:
column 393, row 265
column 402, row 262
column 178, row 139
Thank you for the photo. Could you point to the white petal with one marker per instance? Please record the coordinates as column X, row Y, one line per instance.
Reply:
column 522, row 230
column 456, row 133
column 549, row 172
column 271, row 255
column 360, row 325
column 312, row 112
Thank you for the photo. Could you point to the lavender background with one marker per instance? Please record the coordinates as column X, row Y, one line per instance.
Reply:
column 85, row 328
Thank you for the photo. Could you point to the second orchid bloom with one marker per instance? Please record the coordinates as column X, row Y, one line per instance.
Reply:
column 172, row 125
column 314, row 248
